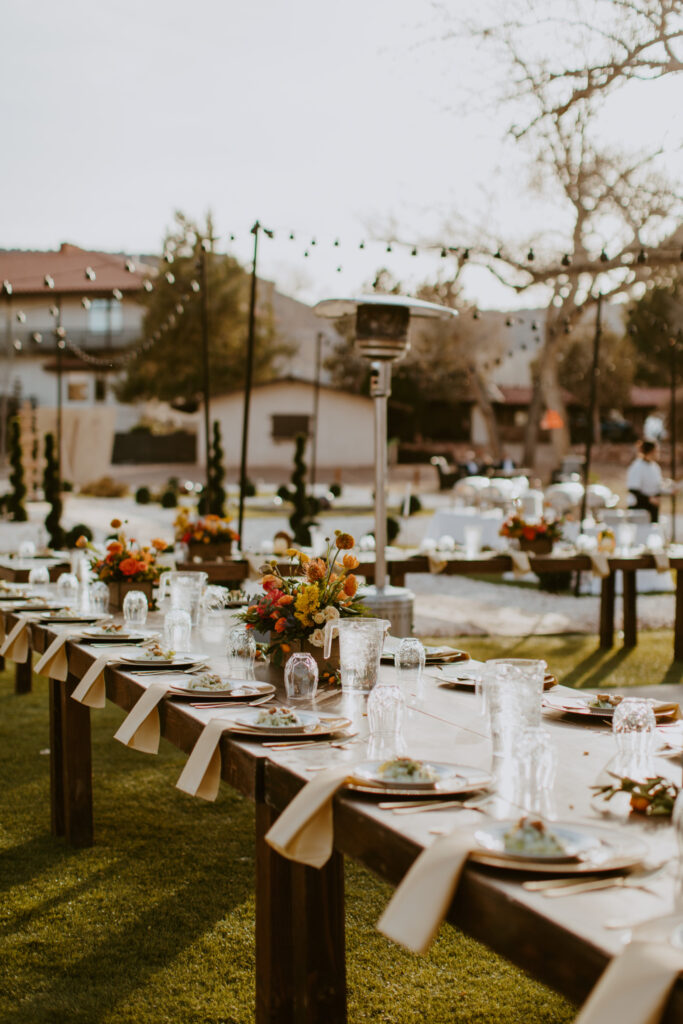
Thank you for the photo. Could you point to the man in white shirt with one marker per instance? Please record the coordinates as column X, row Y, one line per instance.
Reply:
column 644, row 480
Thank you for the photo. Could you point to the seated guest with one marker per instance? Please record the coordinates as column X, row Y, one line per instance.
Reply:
column 644, row 480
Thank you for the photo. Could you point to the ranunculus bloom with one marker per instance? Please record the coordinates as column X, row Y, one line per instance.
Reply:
column 159, row 544
column 115, row 524
column 350, row 585
column 350, row 562
column 316, row 569
column 345, row 541
column 280, row 625
column 82, row 541
column 129, row 566
column 286, row 599
column 115, row 547
column 269, row 581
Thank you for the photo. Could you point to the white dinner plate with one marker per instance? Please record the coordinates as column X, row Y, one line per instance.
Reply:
column 235, row 689
column 615, row 851
column 576, row 842
column 249, row 720
column 368, row 771
column 65, row 617
column 581, row 706
column 180, row 660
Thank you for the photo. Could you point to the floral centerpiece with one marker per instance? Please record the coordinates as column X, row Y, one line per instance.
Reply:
column 536, row 535
column 125, row 565
column 295, row 608
column 207, row 537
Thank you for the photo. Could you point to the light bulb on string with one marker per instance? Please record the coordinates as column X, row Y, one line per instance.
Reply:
column 61, row 343
column 54, row 311
column 7, row 288
column 148, row 286
column 168, row 257
column 21, row 317
column 179, row 308
column 86, row 303
column 336, row 243
column 498, row 254
column 49, row 281
column 444, row 254
column 565, row 261
column 90, row 274
column 291, row 236
column 305, row 253
column 413, row 251
column 531, row 255
column 195, row 286
column 169, row 277
column 642, row 257
column 117, row 294
column 60, row 332
column 17, row 344
column 37, row 337
column 130, row 266
column 339, row 270
column 361, row 245
column 604, row 258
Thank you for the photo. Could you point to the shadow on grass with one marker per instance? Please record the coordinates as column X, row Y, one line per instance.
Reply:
column 22, row 862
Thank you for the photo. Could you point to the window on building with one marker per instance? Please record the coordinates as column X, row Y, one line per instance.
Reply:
column 105, row 316
column 286, row 426
column 101, row 387
column 77, row 387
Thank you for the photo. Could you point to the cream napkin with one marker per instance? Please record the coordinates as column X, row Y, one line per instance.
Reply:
column 436, row 564
column 201, row 775
column 15, row 646
column 599, row 563
column 520, row 563
column 90, row 690
column 54, row 663
column 141, row 729
column 636, row 985
column 421, row 901
column 661, row 561
column 305, row 830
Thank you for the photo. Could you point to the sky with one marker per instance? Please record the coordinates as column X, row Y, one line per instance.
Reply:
column 350, row 122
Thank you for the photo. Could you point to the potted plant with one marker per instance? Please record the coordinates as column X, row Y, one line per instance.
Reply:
column 125, row 565
column 295, row 606
column 208, row 538
column 535, row 536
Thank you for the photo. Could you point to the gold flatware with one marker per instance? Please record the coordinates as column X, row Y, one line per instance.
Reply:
column 229, row 705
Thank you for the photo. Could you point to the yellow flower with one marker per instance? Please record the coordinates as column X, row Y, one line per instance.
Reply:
column 306, row 604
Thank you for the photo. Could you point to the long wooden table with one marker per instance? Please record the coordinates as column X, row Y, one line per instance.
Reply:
column 300, row 964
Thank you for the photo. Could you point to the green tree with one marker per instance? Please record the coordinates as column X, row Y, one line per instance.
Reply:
column 52, row 494
column 653, row 321
column 306, row 507
column 15, row 501
column 170, row 367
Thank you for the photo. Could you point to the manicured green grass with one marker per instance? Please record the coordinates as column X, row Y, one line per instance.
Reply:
column 154, row 924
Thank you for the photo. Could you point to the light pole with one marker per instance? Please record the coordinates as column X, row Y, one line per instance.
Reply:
column 316, row 405
column 382, row 338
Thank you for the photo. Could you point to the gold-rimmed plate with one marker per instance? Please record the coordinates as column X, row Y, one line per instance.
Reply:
column 603, row 850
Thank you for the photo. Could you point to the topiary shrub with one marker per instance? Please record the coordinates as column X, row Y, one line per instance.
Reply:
column 249, row 488
column 283, row 492
column 15, row 499
column 393, row 529
column 217, row 495
column 169, row 499
column 105, row 487
column 305, row 506
column 67, row 487
column 335, row 490
column 72, row 535
column 414, row 505
column 52, row 494
column 143, row 495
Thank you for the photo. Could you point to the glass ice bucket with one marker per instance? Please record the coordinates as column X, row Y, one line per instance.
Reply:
column 360, row 648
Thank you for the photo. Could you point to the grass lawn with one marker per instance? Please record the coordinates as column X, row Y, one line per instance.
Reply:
column 155, row 922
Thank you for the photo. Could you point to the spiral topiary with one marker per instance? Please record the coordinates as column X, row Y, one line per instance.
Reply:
column 52, row 493
column 15, row 499
column 217, row 495
column 305, row 506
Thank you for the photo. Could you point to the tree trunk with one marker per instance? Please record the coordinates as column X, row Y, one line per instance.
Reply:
column 552, row 395
column 533, row 419
column 485, row 404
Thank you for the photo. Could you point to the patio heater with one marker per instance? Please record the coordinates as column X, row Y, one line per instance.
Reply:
column 382, row 323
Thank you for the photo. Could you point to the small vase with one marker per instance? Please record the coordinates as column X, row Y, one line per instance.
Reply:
column 276, row 673
column 119, row 588
column 537, row 546
column 213, row 552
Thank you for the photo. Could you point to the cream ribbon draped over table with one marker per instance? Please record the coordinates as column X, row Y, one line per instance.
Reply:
column 54, row 662
column 304, row 832
column 15, row 645
column 520, row 562
column 141, row 729
column 91, row 691
column 421, row 901
column 599, row 563
column 201, row 775
column 661, row 560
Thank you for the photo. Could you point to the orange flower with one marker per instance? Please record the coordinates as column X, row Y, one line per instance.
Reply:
column 345, row 541
column 269, row 581
column 82, row 541
column 350, row 585
column 285, row 647
column 159, row 544
column 350, row 562
column 315, row 570
column 115, row 547
column 285, row 599
column 129, row 566
column 115, row 524
column 252, row 608
column 529, row 532
column 280, row 625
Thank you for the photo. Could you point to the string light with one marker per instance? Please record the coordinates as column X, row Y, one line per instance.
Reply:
column 604, row 258
column 90, row 274
column 49, row 281
column 117, row 294
column 148, row 286
column 7, row 287
column 21, row 317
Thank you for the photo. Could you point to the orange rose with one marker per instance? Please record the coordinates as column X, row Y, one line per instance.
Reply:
column 280, row 625
column 315, row 570
column 345, row 541
column 159, row 544
column 350, row 585
column 115, row 547
column 82, row 541
column 115, row 524
column 285, row 599
column 129, row 566
column 350, row 562
column 268, row 582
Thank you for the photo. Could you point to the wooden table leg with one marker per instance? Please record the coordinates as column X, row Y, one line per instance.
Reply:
column 23, row 675
column 56, row 759
column 678, row 618
column 274, row 980
column 76, row 768
column 607, row 611
column 629, row 605
column 300, row 951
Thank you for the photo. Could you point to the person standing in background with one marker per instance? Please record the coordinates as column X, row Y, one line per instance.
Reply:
column 644, row 480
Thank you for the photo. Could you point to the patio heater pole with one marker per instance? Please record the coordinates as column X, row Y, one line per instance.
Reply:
column 380, row 389
column 316, row 405
column 205, row 371
column 673, row 346
column 592, row 398
column 59, row 340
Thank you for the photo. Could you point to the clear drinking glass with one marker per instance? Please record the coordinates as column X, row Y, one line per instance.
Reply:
column 213, row 618
column 409, row 663
column 39, row 577
column 536, row 768
column 634, row 727
column 513, row 689
column 386, row 711
column 360, row 649
column 68, row 590
column 135, row 608
column 177, row 629
column 241, row 653
column 301, row 677
column 472, row 536
column 98, row 595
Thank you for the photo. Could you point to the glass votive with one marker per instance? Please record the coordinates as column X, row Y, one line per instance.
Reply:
column 634, row 727
column 39, row 577
column 472, row 537
column 98, row 596
column 301, row 677
column 536, row 768
column 135, row 608
column 177, row 629
column 446, row 542
column 68, row 589
column 27, row 549
column 241, row 653
column 386, row 706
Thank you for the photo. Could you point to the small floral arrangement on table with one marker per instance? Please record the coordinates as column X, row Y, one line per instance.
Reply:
column 516, row 527
column 654, row 797
column 124, row 560
column 208, row 529
column 295, row 607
